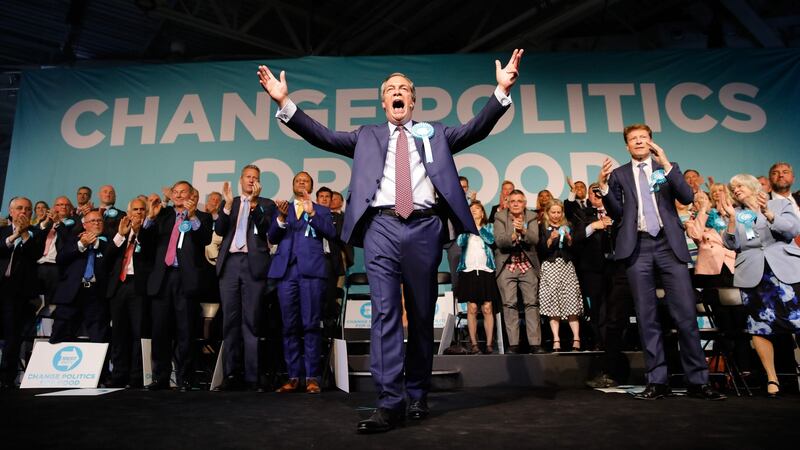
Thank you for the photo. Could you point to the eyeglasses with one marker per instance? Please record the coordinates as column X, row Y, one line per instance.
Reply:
column 93, row 221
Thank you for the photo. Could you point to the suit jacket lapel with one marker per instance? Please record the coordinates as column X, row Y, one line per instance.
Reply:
column 382, row 134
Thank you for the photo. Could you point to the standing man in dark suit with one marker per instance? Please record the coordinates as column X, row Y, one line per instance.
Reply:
column 56, row 227
column 18, row 253
column 127, row 294
column 242, row 267
column 576, row 201
column 405, row 190
column 300, row 269
column 641, row 194
column 81, row 292
column 179, row 237
column 111, row 214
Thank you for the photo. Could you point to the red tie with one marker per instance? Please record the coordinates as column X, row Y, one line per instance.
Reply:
column 127, row 259
column 403, row 201
column 51, row 235
column 797, row 240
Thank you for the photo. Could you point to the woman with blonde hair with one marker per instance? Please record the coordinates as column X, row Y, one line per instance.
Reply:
column 760, row 231
column 559, row 291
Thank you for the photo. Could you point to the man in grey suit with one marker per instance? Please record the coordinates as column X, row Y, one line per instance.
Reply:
column 516, row 234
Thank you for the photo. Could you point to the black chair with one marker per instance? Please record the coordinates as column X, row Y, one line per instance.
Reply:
column 720, row 336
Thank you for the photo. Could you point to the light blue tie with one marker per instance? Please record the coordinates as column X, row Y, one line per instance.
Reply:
column 648, row 207
column 88, row 274
column 240, row 238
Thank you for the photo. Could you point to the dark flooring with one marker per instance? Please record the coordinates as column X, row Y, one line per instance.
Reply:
column 484, row 418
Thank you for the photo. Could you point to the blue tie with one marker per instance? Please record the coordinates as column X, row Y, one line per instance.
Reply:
column 240, row 238
column 648, row 207
column 88, row 274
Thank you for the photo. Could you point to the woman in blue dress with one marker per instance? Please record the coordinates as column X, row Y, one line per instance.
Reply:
column 767, row 265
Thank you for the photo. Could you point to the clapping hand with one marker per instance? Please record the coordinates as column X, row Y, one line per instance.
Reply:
column 227, row 194
column 659, row 155
column 605, row 172
column 124, row 226
column 308, row 205
column 88, row 238
column 283, row 208
column 255, row 194
column 153, row 205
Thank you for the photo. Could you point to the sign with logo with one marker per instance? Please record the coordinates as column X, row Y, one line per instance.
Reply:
column 68, row 364
column 359, row 312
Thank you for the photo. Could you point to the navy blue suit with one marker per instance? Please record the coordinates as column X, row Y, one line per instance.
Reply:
column 242, row 283
column 402, row 251
column 299, row 266
column 667, row 254
column 81, row 300
column 15, row 292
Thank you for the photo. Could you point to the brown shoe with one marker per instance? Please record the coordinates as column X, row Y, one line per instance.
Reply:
column 312, row 386
column 290, row 386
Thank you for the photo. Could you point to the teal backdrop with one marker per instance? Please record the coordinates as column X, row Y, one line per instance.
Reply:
column 145, row 126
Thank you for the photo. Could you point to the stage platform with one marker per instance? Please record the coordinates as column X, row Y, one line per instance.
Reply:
column 468, row 418
column 561, row 370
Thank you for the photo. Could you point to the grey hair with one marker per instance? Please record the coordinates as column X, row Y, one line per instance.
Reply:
column 747, row 180
column 399, row 74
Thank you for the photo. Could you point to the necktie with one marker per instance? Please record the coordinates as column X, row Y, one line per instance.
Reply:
column 403, row 201
column 298, row 209
column 240, row 238
column 11, row 261
column 127, row 259
column 172, row 248
column 648, row 207
column 51, row 236
column 88, row 274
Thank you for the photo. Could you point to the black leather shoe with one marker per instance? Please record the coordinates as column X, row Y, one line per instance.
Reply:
column 418, row 409
column 381, row 421
column 230, row 383
column 653, row 391
column 185, row 386
column 537, row 350
column 512, row 349
column 705, row 392
column 157, row 386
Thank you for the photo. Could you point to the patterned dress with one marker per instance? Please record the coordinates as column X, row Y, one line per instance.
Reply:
column 559, row 291
column 772, row 306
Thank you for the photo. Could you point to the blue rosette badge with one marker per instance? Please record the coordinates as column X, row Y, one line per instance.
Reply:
column 110, row 213
column 657, row 178
column 715, row 221
column 424, row 131
column 562, row 231
column 185, row 226
column 748, row 219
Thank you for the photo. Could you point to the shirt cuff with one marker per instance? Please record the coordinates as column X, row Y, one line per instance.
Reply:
column 287, row 112
column 148, row 222
column 81, row 247
column 9, row 243
column 281, row 223
column 119, row 239
column 501, row 97
column 571, row 196
column 604, row 191
column 589, row 230
column 226, row 210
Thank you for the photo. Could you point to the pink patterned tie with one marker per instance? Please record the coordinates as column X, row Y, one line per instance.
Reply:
column 51, row 236
column 172, row 248
column 404, row 201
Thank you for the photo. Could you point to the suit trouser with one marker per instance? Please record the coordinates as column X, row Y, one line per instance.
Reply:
column 16, row 313
column 528, row 283
column 241, row 295
column 593, row 288
column 172, row 308
column 408, row 252
column 300, row 298
column 47, row 275
column 453, row 257
column 654, row 255
column 614, row 318
column 87, row 308
column 127, row 320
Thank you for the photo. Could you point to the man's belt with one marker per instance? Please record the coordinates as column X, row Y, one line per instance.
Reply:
column 416, row 214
